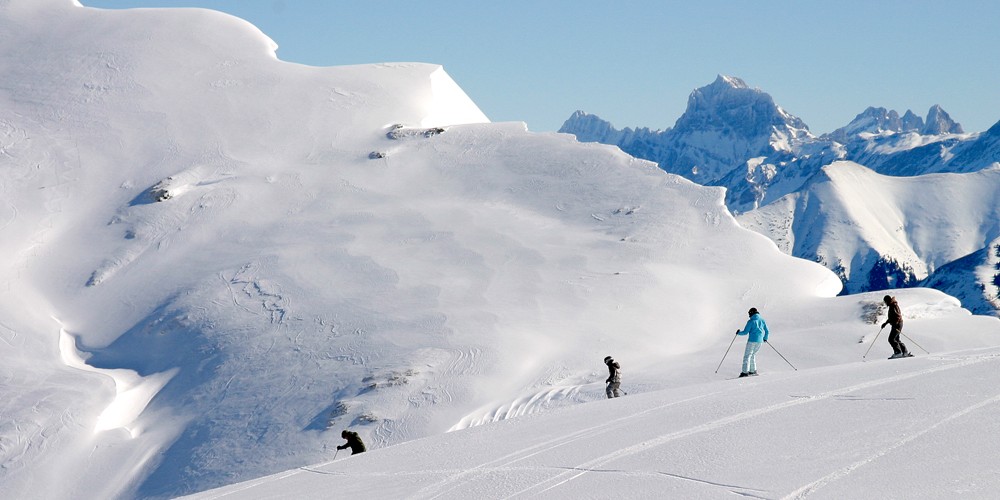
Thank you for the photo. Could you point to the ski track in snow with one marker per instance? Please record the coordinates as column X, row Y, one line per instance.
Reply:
column 540, row 488
column 268, row 295
column 454, row 480
column 439, row 385
column 11, row 217
column 462, row 363
column 712, row 483
column 811, row 488
column 445, row 486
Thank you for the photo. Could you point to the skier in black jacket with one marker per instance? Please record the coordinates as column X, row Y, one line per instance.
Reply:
column 353, row 441
column 896, row 320
column 614, row 380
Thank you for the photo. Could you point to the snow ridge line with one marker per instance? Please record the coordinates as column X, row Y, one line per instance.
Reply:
column 525, row 453
column 729, row 420
column 823, row 481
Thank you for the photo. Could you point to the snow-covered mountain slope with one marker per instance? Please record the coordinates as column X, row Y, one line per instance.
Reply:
column 979, row 153
column 973, row 279
column 214, row 256
column 923, row 427
column 881, row 232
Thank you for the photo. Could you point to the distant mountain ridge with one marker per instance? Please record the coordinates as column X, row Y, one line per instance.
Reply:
column 881, row 121
column 733, row 136
column 726, row 123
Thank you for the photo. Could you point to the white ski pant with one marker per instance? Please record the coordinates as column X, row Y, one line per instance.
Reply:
column 750, row 357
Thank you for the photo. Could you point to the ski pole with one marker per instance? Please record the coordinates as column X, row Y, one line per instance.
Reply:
column 727, row 351
column 782, row 357
column 873, row 342
column 915, row 343
column 335, row 454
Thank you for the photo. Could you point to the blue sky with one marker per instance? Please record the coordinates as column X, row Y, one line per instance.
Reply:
column 635, row 62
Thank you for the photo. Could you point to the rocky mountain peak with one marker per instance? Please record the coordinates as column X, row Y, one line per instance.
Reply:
column 730, row 106
column 939, row 122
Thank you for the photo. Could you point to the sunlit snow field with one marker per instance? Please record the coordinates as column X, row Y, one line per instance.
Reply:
column 217, row 260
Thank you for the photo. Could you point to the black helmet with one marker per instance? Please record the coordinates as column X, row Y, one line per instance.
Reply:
column 752, row 311
column 343, row 434
column 886, row 299
column 608, row 359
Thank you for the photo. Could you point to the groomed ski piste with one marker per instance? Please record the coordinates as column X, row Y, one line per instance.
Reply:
column 922, row 427
column 215, row 261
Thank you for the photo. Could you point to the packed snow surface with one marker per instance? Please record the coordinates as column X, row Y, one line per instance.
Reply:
column 217, row 260
column 912, row 428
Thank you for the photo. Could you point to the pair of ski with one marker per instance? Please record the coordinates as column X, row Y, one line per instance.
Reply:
column 894, row 356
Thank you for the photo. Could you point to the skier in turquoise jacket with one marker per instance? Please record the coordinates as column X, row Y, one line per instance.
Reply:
column 756, row 331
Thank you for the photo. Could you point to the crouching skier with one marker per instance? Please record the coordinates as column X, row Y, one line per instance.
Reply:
column 353, row 442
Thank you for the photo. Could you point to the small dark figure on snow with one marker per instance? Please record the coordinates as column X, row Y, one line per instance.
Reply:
column 353, row 442
column 896, row 320
column 614, row 380
column 756, row 331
